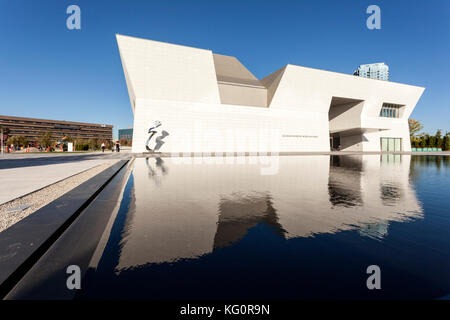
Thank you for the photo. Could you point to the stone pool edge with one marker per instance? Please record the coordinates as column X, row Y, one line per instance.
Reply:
column 22, row 244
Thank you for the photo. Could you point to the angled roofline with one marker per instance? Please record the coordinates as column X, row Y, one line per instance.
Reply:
column 285, row 66
column 165, row 42
column 352, row 76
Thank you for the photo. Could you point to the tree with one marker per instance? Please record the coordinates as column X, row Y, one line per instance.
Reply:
column 439, row 139
column 423, row 141
column 414, row 127
column 124, row 142
column 431, row 141
column 11, row 141
column 22, row 141
column 81, row 145
column 17, row 141
column 446, row 142
column 47, row 140
column 93, row 144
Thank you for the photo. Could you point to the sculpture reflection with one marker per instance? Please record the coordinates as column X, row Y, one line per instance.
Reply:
column 156, row 169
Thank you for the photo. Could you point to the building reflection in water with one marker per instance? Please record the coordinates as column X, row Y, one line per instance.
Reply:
column 197, row 208
column 240, row 212
column 344, row 181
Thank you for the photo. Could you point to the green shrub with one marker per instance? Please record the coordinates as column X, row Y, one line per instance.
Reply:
column 47, row 140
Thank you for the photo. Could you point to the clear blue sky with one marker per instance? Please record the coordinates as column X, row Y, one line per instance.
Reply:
column 48, row 71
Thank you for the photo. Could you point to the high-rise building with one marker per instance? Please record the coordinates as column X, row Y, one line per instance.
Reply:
column 378, row 71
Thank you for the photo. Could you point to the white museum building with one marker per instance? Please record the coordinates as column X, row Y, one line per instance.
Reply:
column 212, row 103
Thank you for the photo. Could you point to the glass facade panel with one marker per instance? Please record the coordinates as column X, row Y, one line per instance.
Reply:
column 384, row 144
column 126, row 134
column 391, row 145
column 398, row 144
column 390, row 110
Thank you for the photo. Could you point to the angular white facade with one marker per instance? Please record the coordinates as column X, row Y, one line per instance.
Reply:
column 212, row 103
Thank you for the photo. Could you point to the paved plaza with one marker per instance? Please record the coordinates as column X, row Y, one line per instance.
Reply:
column 21, row 174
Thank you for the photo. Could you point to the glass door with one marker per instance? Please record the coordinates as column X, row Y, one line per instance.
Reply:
column 384, row 144
column 398, row 144
column 391, row 144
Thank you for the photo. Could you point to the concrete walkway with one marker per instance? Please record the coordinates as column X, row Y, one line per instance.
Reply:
column 17, row 182
column 21, row 174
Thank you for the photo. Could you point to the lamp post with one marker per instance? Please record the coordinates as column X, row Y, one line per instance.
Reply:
column 1, row 138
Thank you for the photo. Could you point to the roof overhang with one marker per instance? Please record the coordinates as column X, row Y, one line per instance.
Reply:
column 355, row 131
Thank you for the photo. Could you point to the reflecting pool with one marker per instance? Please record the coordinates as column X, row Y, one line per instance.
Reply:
column 218, row 230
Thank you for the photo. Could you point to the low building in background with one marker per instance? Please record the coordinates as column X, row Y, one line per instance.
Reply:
column 378, row 71
column 33, row 129
column 212, row 103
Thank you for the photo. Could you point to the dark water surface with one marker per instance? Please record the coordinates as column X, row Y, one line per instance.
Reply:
column 309, row 229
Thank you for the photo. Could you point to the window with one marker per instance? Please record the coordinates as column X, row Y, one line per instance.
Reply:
column 390, row 110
